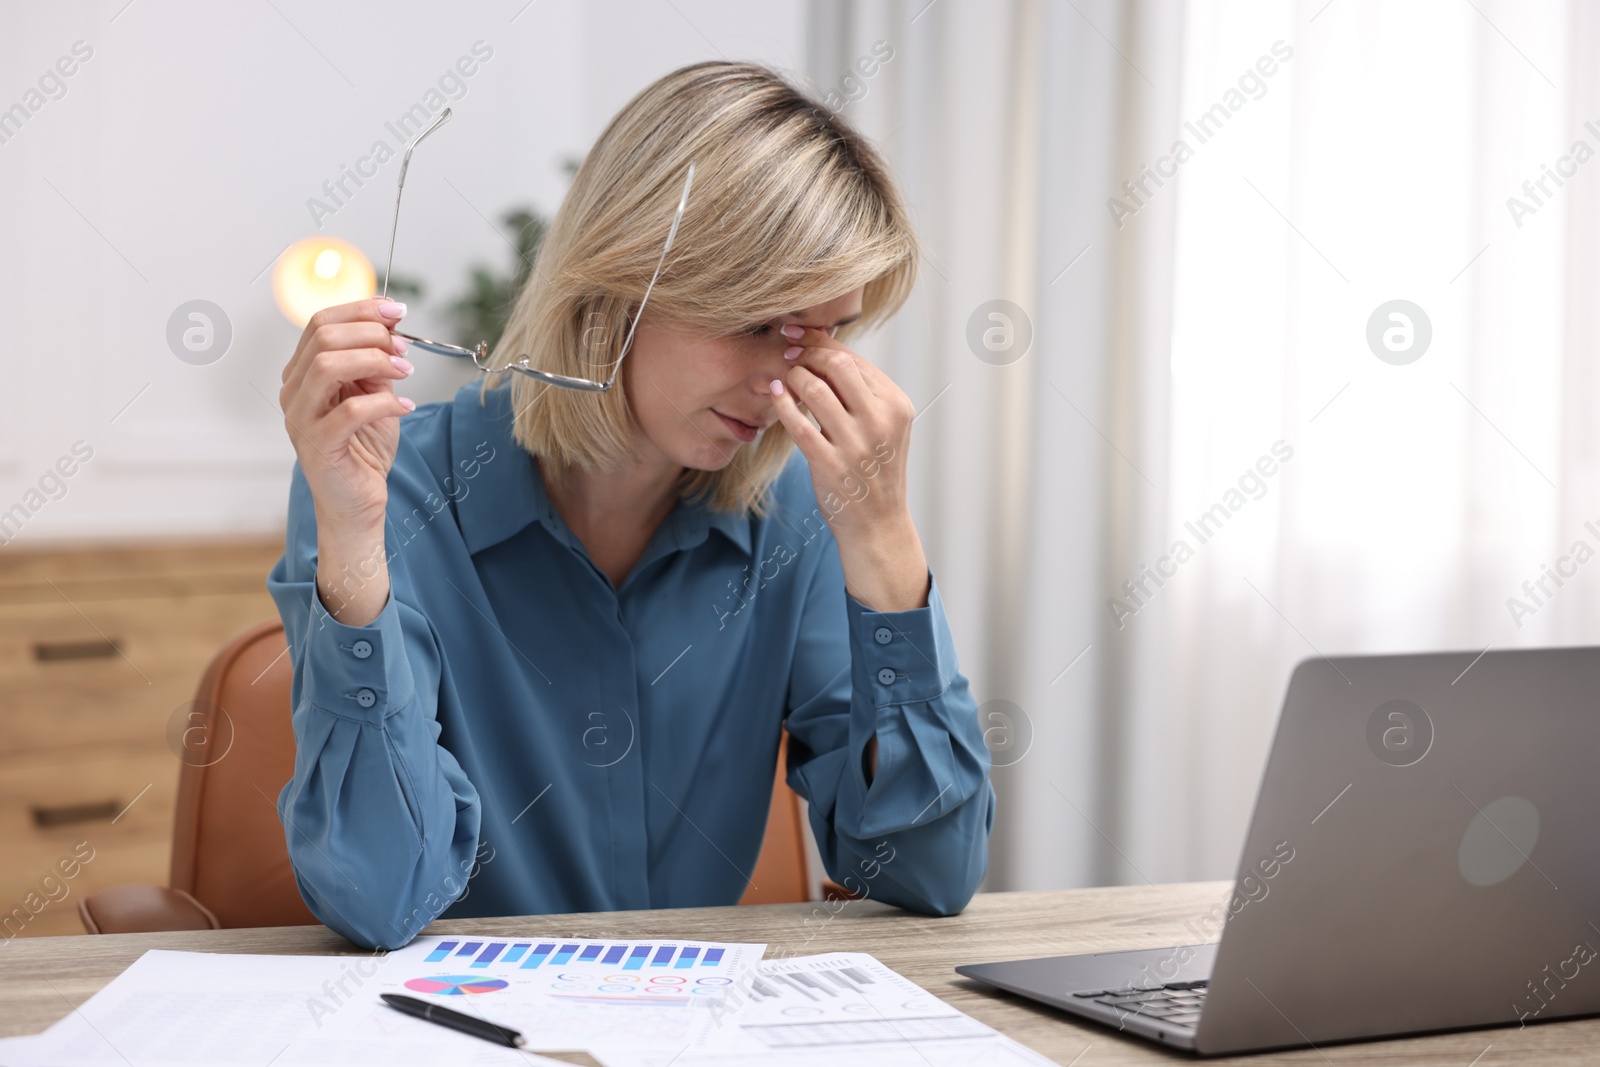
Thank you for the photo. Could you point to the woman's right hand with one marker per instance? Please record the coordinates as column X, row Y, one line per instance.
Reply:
column 342, row 413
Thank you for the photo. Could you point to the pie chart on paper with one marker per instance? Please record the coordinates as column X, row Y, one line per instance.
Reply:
column 454, row 985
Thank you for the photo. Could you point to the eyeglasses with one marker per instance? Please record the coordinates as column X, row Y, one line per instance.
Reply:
column 479, row 355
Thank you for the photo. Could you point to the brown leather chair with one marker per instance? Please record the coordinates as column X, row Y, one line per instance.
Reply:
column 230, row 865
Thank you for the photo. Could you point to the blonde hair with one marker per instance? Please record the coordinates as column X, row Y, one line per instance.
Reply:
column 790, row 208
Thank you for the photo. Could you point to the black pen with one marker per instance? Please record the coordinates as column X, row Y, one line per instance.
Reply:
column 467, row 1024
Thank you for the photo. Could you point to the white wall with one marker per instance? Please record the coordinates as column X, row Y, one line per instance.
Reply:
column 178, row 163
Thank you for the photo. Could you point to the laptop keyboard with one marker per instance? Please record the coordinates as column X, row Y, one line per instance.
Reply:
column 1178, row 1003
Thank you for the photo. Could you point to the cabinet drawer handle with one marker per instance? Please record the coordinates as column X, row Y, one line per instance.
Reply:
column 66, row 814
column 54, row 651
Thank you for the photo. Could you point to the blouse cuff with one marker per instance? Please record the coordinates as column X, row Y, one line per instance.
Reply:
column 902, row 656
column 356, row 672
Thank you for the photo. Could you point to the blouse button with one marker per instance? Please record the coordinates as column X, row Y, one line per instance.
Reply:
column 361, row 649
column 883, row 635
column 886, row 676
column 366, row 697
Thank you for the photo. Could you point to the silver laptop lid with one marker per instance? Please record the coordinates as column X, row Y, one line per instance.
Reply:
column 1424, row 854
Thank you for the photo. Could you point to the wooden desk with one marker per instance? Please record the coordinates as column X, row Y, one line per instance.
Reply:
column 995, row 926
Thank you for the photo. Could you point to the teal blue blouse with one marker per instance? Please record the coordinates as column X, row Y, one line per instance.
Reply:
column 513, row 735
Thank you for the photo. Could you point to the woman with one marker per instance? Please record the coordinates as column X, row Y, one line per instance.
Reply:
column 545, row 641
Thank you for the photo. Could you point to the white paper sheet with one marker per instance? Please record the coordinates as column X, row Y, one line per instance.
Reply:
column 187, row 1008
column 12, row 1049
column 995, row 1050
column 844, row 1008
column 225, row 1009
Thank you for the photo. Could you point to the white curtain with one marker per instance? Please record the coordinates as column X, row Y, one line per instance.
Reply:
column 1200, row 320
column 1376, row 166
column 1035, row 468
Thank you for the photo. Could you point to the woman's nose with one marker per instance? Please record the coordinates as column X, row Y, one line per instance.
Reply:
column 769, row 365
column 774, row 350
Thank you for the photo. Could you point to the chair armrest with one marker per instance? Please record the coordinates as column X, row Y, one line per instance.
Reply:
column 140, row 907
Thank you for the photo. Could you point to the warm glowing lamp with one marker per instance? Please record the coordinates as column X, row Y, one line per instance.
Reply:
column 319, row 272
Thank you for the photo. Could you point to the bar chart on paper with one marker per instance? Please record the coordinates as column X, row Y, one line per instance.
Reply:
column 605, row 972
column 573, row 993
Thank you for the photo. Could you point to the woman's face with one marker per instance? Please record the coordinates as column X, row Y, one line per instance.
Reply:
column 685, row 387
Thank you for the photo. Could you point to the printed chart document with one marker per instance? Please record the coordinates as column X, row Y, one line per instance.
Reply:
column 842, row 1008
column 563, row 994
column 224, row 1009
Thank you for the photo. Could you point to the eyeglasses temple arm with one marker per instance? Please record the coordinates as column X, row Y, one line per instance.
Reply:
column 405, row 162
column 627, row 343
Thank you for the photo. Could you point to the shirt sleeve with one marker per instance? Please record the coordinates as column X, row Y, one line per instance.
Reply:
column 381, row 821
column 917, row 835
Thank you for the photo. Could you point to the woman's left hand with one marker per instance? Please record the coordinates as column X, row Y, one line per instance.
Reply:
column 858, row 464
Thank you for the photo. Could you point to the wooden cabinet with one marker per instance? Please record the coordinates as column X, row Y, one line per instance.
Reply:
column 101, row 648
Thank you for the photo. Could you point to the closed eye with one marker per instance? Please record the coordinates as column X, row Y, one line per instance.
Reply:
column 759, row 331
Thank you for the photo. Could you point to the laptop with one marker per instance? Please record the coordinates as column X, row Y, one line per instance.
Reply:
column 1424, row 856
